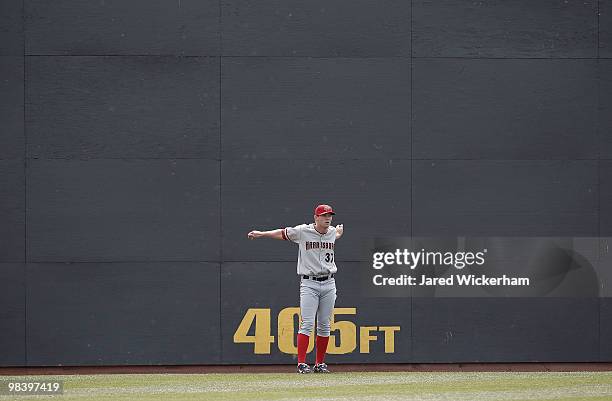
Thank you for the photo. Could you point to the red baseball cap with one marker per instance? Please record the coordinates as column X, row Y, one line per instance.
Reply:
column 323, row 209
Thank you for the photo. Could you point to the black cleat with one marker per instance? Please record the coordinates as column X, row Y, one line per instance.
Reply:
column 321, row 368
column 303, row 368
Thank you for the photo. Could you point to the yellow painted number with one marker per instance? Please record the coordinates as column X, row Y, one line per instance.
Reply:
column 348, row 332
column 286, row 331
column 262, row 338
column 344, row 342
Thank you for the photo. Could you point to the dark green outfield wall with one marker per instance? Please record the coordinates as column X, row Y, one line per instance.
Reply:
column 140, row 141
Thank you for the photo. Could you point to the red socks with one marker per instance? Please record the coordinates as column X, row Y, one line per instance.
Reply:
column 302, row 346
column 321, row 348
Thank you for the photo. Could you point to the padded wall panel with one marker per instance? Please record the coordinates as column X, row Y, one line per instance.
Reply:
column 12, row 314
column 505, row 329
column 605, row 28
column 186, row 27
column 123, row 210
column 271, row 287
column 316, row 28
column 605, row 332
column 109, row 107
column 12, row 140
column 605, row 108
column 11, row 27
column 505, row 109
column 605, row 201
column 12, row 211
column 505, row 198
column 548, row 28
column 321, row 108
column 123, row 313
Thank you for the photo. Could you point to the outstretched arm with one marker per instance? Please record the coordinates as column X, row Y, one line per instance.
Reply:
column 274, row 234
column 339, row 230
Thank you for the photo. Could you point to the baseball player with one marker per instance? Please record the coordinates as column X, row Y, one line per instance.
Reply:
column 316, row 267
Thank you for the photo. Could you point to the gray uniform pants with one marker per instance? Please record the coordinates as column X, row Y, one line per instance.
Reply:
column 317, row 298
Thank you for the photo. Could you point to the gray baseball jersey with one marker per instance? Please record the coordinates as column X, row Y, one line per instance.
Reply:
column 316, row 250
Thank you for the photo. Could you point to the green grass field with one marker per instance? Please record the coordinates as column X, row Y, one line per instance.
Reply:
column 451, row 386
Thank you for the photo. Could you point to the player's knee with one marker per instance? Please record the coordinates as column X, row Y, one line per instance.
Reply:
column 306, row 326
column 323, row 329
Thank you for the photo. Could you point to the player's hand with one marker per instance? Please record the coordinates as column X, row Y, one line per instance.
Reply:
column 255, row 234
column 339, row 230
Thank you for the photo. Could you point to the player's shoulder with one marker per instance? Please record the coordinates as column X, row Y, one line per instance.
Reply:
column 300, row 227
